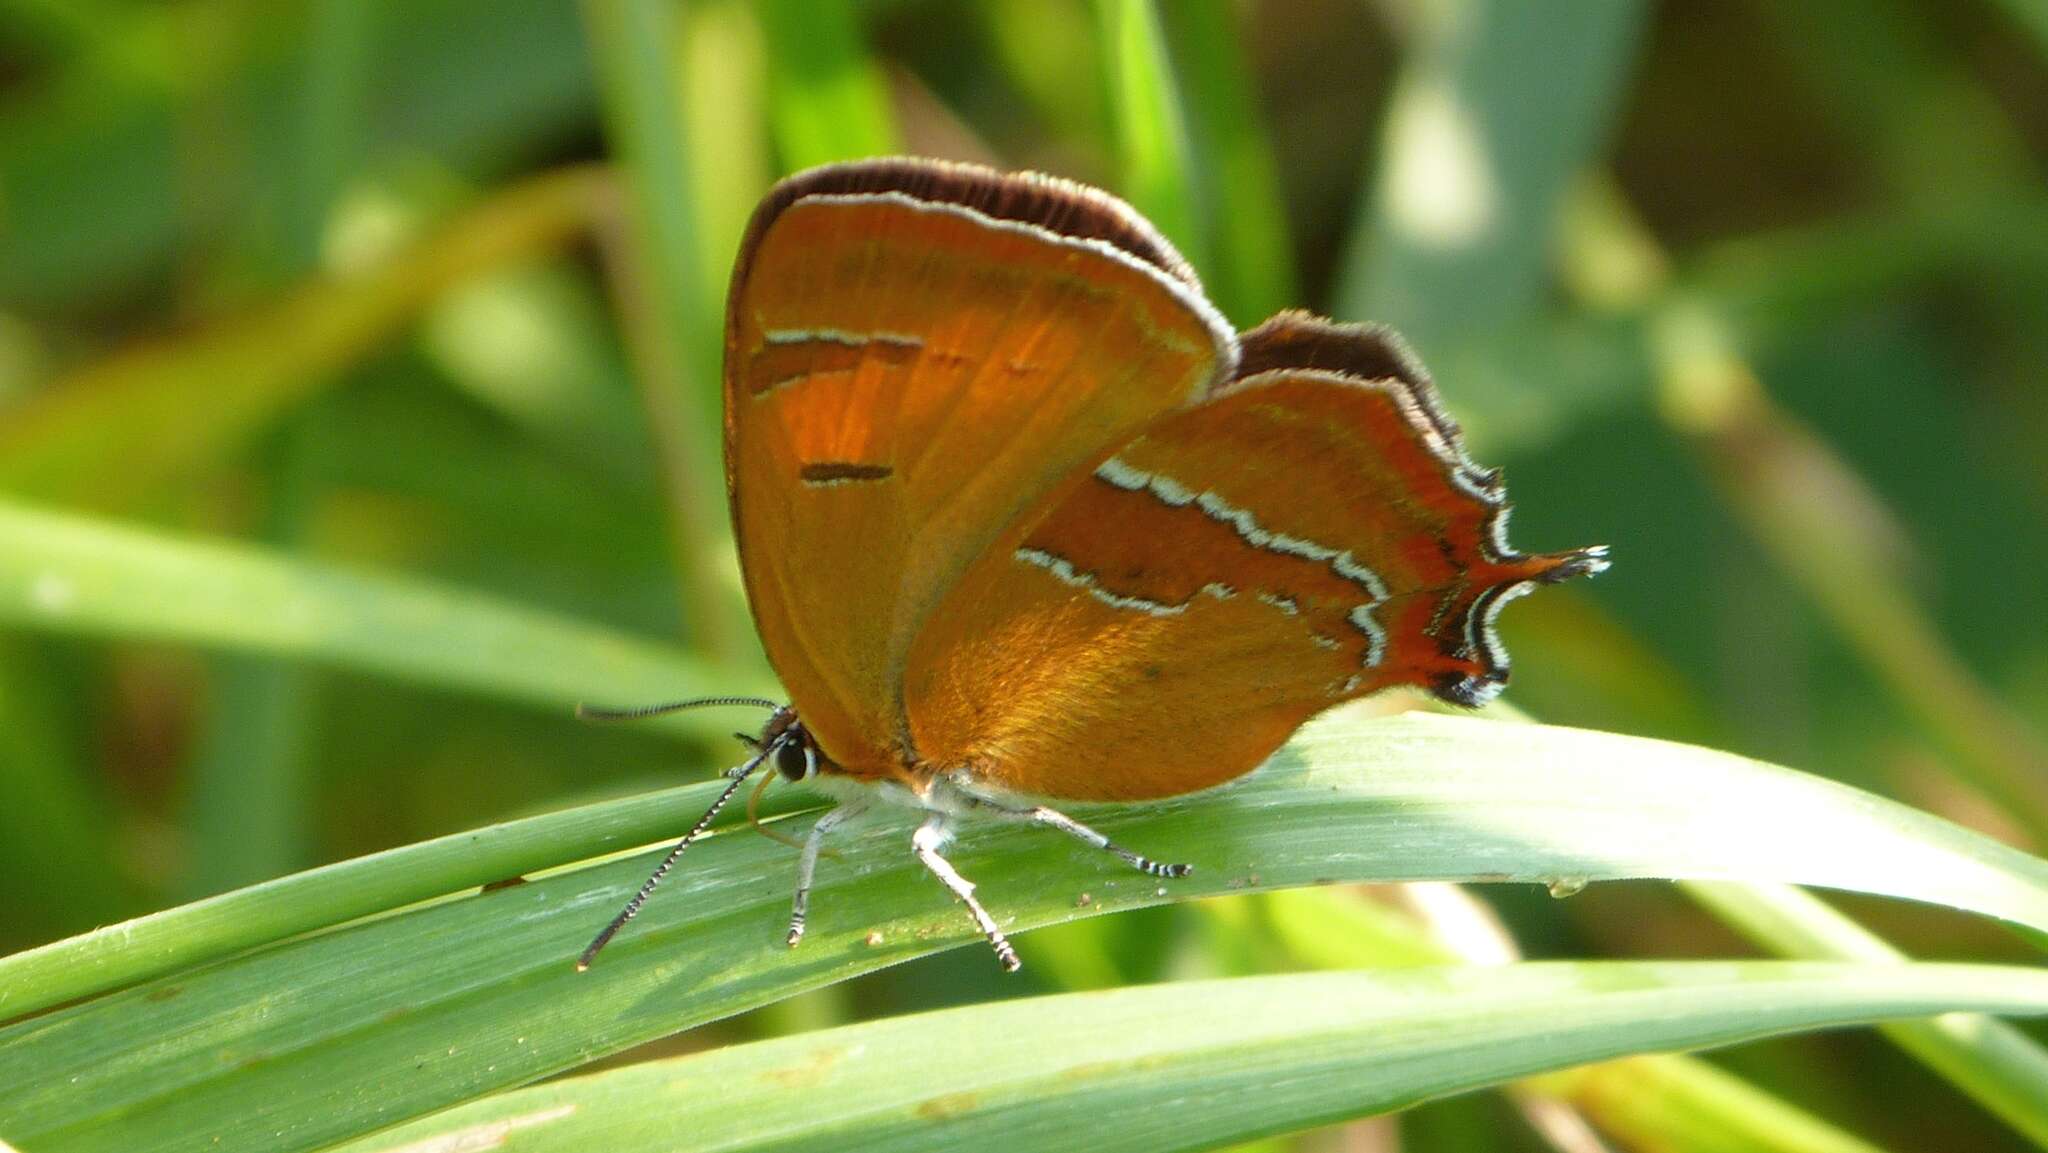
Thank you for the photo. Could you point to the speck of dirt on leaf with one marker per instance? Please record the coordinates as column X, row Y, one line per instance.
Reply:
column 948, row 1105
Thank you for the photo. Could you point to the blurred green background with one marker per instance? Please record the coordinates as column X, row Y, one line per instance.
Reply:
column 319, row 320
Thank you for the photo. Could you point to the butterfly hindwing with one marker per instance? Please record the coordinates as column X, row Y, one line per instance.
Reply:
column 1311, row 533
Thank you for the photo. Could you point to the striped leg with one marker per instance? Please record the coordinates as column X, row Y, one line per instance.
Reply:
column 926, row 842
column 1054, row 819
column 807, row 865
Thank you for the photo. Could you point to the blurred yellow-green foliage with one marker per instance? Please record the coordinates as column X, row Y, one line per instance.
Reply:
column 429, row 292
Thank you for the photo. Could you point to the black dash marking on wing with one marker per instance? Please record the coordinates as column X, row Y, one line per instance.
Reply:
column 841, row 471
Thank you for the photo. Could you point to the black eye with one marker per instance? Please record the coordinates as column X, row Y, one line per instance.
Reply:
column 790, row 760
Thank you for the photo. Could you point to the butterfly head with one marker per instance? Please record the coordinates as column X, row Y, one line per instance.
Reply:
column 784, row 744
column 789, row 746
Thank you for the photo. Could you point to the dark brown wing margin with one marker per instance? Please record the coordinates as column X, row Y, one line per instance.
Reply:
column 1061, row 206
column 1367, row 352
column 1296, row 339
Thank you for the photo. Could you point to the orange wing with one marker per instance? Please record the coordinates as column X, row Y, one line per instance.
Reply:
column 1311, row 533
column 915, row 353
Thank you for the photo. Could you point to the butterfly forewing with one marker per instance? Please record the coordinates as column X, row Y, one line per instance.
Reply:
column 1303, row 537
column 915, row 355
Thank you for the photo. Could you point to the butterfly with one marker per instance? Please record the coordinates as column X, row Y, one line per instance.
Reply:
column 1022, row 519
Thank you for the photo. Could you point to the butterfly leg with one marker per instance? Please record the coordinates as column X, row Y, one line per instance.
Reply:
column 1054, row 819
column 807, row 865
column 926, row 841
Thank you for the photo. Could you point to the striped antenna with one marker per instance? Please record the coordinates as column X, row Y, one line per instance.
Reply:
column 600, row 713
column 738, row 777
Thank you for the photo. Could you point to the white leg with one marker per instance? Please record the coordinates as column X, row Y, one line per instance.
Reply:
column 807, row 865
column 926, row 842
column 1054, row 819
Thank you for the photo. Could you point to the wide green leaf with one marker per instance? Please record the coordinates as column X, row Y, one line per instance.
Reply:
column 1195, row 1065
column 334, row 1035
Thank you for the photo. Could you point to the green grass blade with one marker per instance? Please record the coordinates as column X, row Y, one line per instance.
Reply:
column 331, row 1036
column 725, row 110
column 2000, row 1066
column 1189, row 1066
column 1151, row 135
column 1932, row 131
column 1710, row 391
column 250, row 813
column 75, row 575
column 104, row 192
column 1050, row 55
column 826, row 100
column 1687, row 1105
column 1844, row 564
column 57, row 843
column 674, row 329
column 2031, row 17
column 205, row 931
column 1498, row 109
column 1679, row 1104
column 249, row 816
column 634, row 42
column 1252, row 273
column 118, row 429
